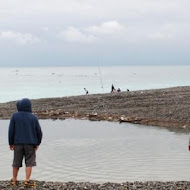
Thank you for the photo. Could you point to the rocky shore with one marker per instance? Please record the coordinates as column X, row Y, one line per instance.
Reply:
column 160, row 107
column 149, row 185
column 168, row 107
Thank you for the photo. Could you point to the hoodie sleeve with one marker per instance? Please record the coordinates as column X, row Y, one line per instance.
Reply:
column 11, row 131
column 38, row 131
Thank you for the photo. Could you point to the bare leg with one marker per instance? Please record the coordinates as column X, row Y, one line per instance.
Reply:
column 28, row 173
column 15, row 173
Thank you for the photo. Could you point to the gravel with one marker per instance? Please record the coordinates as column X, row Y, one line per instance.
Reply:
column 149, row 185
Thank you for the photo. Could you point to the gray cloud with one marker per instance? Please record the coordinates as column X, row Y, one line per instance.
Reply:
column 94, row 27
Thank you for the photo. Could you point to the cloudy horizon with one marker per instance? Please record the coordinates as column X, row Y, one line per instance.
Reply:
column 89, row 32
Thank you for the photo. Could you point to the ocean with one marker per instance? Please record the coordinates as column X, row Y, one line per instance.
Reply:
column 43, row 82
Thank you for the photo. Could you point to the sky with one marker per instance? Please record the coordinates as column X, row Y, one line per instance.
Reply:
column 94, row 32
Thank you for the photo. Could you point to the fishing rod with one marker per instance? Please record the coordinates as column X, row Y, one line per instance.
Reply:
column 101, row 77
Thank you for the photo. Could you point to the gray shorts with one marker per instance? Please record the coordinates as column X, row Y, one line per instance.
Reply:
column 24, row 151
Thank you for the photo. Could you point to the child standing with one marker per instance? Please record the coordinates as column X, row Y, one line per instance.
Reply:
column 24, row 136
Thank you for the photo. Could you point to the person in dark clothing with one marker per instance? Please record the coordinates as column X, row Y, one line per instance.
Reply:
column 118, row 90
column 112, row 88
column 24, row 137
column 86, row 91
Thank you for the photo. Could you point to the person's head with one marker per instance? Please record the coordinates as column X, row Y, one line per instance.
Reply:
column 24, row 105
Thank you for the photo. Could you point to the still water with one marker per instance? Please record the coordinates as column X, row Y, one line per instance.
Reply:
column 80, row 150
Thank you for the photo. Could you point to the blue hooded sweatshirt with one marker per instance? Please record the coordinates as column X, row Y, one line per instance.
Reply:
column 24, row 127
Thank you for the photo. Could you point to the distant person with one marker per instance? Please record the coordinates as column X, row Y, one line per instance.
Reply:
column 118, row 90
column 112, row 88
column 86, row 91
column 24, row 137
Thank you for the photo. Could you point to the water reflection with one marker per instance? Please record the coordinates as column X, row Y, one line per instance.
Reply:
column 78, row 150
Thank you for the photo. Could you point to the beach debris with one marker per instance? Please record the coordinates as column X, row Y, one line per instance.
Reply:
column 93, row 117
column 130, row 119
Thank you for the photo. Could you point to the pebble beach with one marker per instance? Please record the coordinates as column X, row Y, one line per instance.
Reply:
column 149, row 185
column 167, row 107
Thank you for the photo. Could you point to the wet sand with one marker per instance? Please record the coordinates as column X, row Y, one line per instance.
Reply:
column 168, row 107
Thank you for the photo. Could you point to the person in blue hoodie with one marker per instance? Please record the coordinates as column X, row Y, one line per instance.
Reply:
column 24, row 136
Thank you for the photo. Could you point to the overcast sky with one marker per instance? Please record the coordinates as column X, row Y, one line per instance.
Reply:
column 92, row 32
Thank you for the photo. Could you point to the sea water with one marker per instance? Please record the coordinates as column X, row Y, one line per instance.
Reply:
column 79, row 150
column 42, row 82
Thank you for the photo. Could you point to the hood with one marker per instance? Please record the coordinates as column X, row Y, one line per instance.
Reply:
column 24, row 105
column 17, row 105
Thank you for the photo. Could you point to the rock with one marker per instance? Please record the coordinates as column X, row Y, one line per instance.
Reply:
column 110, row 118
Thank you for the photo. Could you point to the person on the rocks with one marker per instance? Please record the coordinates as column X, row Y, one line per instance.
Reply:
column 24, row 137
column 86, row 91
column 118, row 90
column 112, row 88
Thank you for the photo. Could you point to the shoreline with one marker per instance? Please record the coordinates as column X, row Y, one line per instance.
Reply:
column 167, row 107
column 43, row 185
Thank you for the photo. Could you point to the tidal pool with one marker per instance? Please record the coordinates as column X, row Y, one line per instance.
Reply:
column 80, row 150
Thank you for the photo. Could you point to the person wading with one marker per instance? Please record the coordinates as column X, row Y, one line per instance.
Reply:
column 24, row 137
